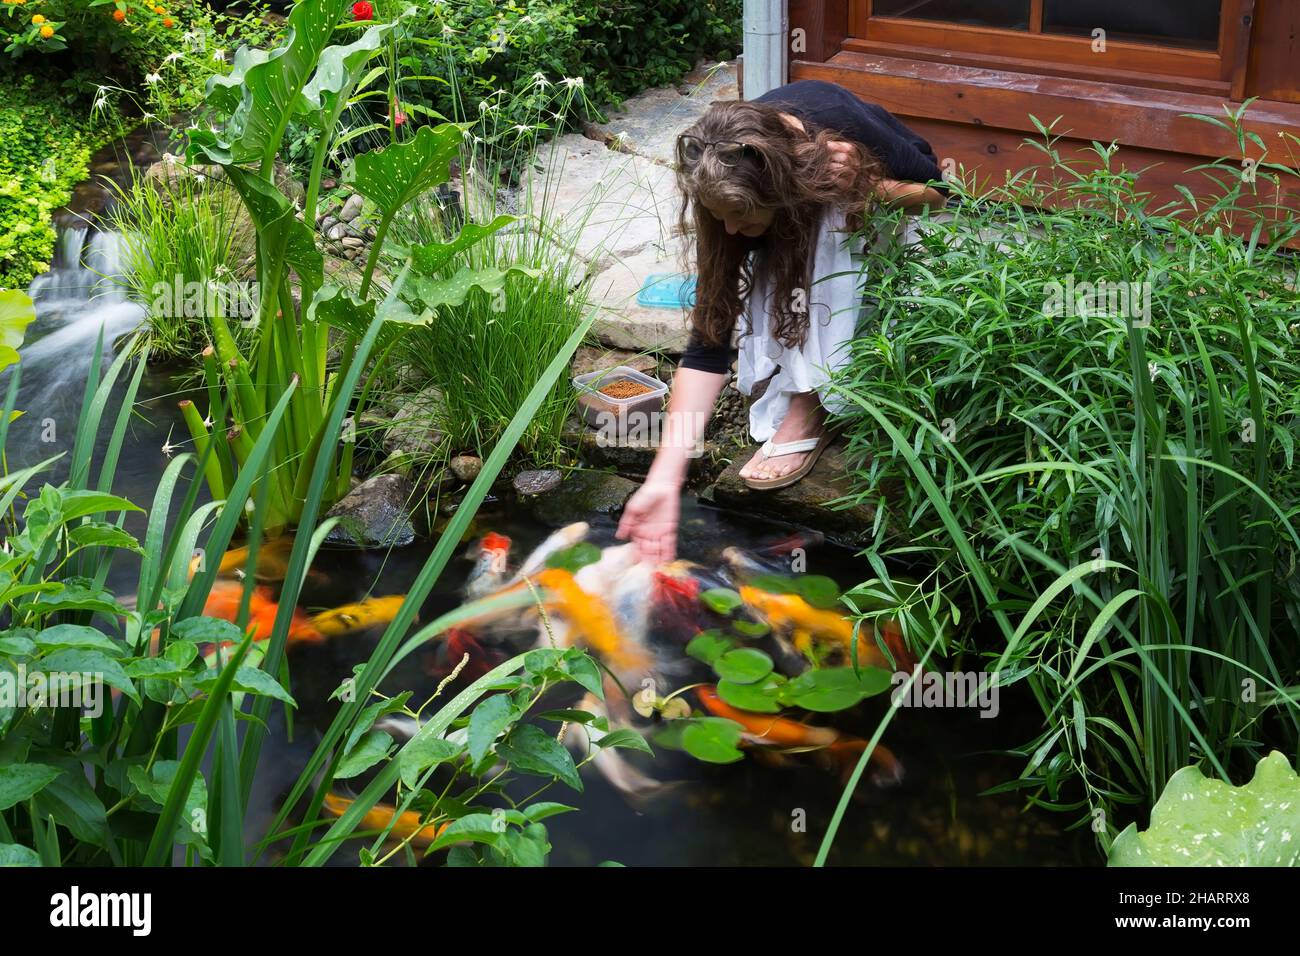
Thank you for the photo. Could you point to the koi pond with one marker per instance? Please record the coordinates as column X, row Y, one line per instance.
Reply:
column 767, row 809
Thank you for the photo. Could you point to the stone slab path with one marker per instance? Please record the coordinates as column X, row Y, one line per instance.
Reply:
column 612, row 191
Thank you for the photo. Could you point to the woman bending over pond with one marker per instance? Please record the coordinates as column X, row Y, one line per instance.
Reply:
column 776, row 188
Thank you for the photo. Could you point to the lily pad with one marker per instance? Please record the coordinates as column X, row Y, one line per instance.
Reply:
column 721, row 600
column 834, row 688
column 750, row 628
column 1199, row 821
column 818, row 590
column 708, row 646
column 759, row 697
column 574, row 558
column 744, row 665
column 712, row 739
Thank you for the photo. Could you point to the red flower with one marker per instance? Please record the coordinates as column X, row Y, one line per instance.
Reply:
column 362, row 11
column 398, row 116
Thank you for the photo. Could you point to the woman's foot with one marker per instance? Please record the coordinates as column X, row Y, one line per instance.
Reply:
column 804, row 419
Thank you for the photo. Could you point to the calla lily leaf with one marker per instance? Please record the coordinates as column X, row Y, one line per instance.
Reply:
column 1199, row 821
column 394, row 176
column 263, row 90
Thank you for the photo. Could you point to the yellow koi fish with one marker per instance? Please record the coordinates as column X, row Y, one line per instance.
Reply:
column 357, row 616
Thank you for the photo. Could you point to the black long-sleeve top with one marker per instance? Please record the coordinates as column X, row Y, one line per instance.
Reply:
column 819, row 104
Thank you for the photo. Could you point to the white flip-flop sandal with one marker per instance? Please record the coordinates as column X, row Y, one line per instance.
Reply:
column 772, row 449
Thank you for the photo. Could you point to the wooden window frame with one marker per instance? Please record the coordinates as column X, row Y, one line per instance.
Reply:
column 1218, row 72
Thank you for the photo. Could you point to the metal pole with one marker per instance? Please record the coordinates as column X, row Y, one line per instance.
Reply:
column 766, row 65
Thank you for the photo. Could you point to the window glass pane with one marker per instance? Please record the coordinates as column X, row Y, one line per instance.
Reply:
column 1189, row 23
column 1007, row 14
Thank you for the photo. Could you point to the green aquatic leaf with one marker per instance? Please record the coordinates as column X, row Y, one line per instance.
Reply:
column 711, row 739
column 579, row 666
column 721, row 600
column 818, row 590
column 708, row 646
column 574, row 558
column 750, row 628
column 75, row 806
column 762, row 697
column 80, row 597
column 101, row 534
column 1199, row 821
column 536, row 812
column 280, row 235
column 834, row 688
column 474, row 828
column 338, row 71
column 528, row 847
column 250, row 680
column 744, row 665
column 18, row 642
column 774, row 583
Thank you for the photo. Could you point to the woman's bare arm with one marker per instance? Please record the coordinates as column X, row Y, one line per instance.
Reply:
column 893, row 192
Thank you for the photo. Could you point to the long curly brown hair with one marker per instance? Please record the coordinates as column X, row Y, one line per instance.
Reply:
column 785, row 170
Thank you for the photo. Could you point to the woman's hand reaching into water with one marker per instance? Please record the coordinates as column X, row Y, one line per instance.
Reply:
column 650, row 519
column 650, row 516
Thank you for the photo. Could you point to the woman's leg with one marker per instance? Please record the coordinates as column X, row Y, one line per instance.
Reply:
column 804, row 420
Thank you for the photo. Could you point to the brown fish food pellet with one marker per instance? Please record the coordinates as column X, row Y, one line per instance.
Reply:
column 625, row 388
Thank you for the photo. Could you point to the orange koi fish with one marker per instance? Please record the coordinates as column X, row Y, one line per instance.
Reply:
column 766, row 730
column 409, row 824
column 590, row 621
column 223, row 602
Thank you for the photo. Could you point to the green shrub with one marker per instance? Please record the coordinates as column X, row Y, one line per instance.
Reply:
column 46, row 141
column 1107, row 507
column 460, row 54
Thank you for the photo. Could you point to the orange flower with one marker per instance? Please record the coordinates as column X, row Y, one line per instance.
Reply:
column 168, row 22
column 38, row 19
column 119, row 15
column 159, row 10
column 47, row 31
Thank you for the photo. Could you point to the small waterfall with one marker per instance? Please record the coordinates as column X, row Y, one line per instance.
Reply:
column 76, row 300
column 87, row 264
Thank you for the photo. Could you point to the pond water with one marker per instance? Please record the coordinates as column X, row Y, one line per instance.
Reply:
column 744, row 813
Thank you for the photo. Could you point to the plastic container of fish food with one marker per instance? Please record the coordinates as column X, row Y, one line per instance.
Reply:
column 620, row 397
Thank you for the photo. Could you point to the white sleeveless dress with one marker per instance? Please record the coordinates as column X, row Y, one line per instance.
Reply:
column 835, row 308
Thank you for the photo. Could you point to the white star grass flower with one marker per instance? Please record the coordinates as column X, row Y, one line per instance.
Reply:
column 219, row 56
column 152, row 78
column 173, row 56
column 572, row 82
